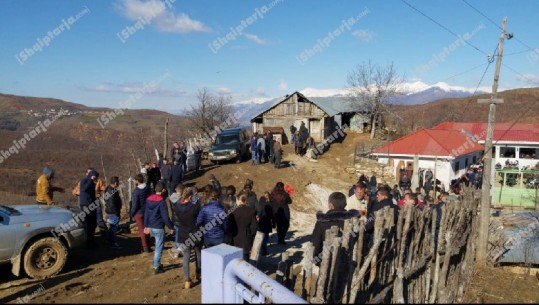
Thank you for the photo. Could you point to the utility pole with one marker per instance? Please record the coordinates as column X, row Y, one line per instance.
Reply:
column 482, row 247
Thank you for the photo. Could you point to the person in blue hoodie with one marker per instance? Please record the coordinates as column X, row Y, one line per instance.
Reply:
column 212, row 220
column 87, row 199
column 136, row 212
column 155, row 219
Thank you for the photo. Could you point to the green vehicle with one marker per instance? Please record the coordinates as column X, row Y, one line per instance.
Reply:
column 230, row 144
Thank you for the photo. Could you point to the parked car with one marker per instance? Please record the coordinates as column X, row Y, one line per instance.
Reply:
column 36, row 238
column 230, row 144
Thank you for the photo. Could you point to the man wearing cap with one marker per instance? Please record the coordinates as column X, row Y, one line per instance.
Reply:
column 44, row 189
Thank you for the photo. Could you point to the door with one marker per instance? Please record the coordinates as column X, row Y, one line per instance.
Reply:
column 314, row 130
column 398, row 169
column 7, row 242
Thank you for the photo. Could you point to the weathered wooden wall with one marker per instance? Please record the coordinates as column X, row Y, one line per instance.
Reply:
column 399, row 263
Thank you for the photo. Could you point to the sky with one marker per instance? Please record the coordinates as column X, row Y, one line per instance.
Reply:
column 159, row 53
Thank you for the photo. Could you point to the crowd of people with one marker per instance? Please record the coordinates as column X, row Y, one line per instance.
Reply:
column 212, row 214
column 363, row 201
column 197, row 217
column 266, row 148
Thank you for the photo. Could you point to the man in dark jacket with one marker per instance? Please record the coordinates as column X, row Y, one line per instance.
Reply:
column 113, row 207
column 154, row 175
column 277, row 153
column 175, row 152
column 166, row 171
column 87, row 199
column 212, row 220
column 382, row 200
column 269, row 146
column 155, row 219
column 176, row 175
column 373, row 183
column 136, row 212
column 334, row 217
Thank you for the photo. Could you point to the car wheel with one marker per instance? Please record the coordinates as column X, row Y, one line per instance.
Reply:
column 238, row 159
column 44, row 258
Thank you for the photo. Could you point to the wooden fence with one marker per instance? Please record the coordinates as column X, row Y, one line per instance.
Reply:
column 400, row 263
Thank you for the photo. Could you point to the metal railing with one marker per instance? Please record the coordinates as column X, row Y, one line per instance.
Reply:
column 226, row 276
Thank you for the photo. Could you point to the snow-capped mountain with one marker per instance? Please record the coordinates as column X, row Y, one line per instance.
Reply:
column 411, row 94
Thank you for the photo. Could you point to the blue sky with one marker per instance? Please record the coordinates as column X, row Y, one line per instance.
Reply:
column 179, row 47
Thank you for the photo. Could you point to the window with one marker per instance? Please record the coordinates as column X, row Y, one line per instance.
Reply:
column 529, row 153
column 457, row 166
column 227, row 139
column 507, row 152
column 474, row 159
column 466, row 163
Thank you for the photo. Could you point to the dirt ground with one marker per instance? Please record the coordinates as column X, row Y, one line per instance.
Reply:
column 125, row 276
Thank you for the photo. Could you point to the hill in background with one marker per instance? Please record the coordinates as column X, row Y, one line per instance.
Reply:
column 520, row 105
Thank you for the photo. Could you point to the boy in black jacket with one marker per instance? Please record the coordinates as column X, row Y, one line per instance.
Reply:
column 334, row 217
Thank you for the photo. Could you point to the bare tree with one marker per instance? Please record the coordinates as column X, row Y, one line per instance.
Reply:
column 211, row 111
column 371, row 88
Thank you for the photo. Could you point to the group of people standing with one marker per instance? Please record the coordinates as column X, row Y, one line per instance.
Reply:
column 207, row 217
column 266, row 148
column 364, row 201
column 301, row 139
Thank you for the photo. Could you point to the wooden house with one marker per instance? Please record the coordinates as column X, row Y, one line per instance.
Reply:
column 321, row 115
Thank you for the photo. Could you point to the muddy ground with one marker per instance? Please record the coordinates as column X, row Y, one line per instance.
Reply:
column 125, row 276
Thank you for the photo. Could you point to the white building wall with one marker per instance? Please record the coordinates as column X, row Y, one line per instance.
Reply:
column 443, row 169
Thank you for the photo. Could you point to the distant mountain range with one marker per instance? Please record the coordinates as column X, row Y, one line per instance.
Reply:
column 412, row 94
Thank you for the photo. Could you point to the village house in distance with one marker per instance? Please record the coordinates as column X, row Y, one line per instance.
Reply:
column 321, row 115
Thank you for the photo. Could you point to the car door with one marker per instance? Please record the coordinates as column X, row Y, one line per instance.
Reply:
column 7, row 238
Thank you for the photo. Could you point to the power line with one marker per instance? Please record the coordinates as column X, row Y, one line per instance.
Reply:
column 464, row 72
column 524, row 77
column 523, row 51
column 444, row 27
column 495, row 24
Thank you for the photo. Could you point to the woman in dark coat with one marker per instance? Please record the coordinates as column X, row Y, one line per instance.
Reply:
column 187, row 213
column 280, row 200
column 243, row 226
column 264, row 215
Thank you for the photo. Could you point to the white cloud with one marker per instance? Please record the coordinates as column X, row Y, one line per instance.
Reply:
column 160, row 16
column 283, row 85
column 134, row 87
column 529, row 78
column 364, row 35
column 255, row 39
column 224, row 91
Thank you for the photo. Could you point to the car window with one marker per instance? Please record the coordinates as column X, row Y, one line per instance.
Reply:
column 226, row 139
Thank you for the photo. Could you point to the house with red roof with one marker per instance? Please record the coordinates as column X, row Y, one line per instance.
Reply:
column 445, row 152
column 512, row 142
